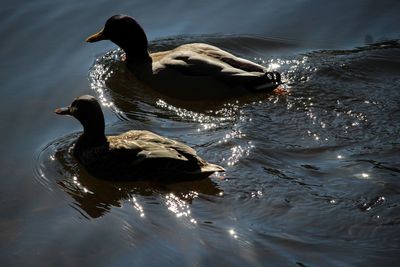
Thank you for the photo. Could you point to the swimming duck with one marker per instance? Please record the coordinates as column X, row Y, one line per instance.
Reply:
column 190, row 71
column 133, row 155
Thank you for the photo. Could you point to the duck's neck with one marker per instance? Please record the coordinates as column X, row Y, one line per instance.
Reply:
column 93, row 134
column 135, row 57
column 135, row 46
column 139, row 63
column 94, row 138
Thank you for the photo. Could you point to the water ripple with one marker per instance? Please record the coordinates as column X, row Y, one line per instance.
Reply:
column 56, row 170
column 319, row 162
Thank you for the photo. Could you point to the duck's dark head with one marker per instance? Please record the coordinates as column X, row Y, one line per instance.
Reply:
column 86, row 109
column 125, row 32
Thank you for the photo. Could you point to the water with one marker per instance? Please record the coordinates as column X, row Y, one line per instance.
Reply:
column 312, row 175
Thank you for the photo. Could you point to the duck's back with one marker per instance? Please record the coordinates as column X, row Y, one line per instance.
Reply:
column 198, row 71
column 202, row 58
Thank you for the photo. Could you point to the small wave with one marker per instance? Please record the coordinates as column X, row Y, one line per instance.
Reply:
column 50, row 161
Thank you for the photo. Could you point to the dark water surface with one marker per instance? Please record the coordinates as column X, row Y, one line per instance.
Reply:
column 313, row 176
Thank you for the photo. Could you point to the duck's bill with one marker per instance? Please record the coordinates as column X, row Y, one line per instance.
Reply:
column 96, row 37
column 63, row 111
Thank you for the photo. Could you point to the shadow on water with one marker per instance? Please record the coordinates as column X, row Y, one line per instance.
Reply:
column 95, row 197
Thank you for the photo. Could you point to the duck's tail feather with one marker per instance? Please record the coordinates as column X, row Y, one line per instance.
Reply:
column 269, row 81
column 211, row 168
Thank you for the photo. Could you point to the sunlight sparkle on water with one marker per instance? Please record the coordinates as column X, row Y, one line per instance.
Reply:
column 137, row 206
column 273, row 66
column 237, row 152
column 180, row 207
column 363, row 175
column 256, row 194
column 81, row 187
column 208, row 122
column 232, row 232
column 98, row 77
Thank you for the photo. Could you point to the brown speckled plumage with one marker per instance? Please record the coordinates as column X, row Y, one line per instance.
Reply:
column 133, row 155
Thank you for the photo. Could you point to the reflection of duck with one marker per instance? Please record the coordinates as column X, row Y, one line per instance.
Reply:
column 190, row 71
column 95, row 197
column 134, row 155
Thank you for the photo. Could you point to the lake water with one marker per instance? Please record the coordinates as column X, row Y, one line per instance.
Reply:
column 312, row 176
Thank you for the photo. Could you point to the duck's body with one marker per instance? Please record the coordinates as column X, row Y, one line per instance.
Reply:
column 202, row 71
column 134, row 155
column 189, row 71
column 137, row 155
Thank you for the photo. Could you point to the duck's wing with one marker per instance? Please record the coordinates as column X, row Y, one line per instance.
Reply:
column 145, row 149
column 223, row 56
column 154, row 145
column 135, row 148
column 207, row 60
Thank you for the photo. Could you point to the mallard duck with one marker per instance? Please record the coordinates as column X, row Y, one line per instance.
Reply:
column 190, row 71
column 133, row 155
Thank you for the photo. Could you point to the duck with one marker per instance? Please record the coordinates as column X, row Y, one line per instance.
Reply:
column 135, row 155
column 189, row 71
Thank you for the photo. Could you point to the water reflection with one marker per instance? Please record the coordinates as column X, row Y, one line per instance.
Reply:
column 95, row 197
column 319, row 163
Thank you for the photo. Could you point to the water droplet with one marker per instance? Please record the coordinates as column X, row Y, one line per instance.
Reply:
column 364, row 175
